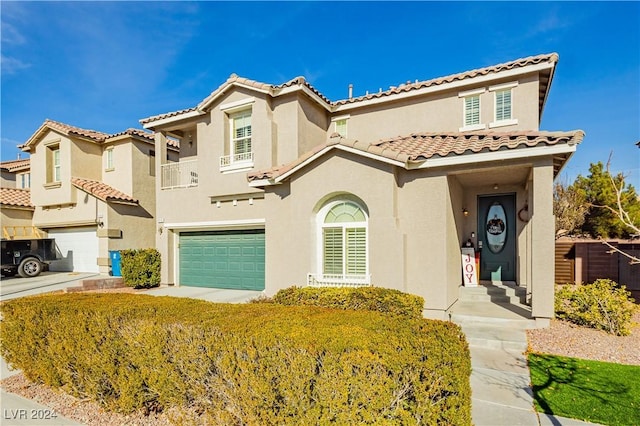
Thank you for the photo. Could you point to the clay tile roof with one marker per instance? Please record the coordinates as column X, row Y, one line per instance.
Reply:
column 102, row 191
column 167, row 115
column 135, row 132
column 15, row 197
column 419, row 147
column 16, row 165
column 73, row 130
column 518, row 63
column 422, row 146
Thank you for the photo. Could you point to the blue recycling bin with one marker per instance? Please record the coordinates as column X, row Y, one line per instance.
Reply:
column 114, row 255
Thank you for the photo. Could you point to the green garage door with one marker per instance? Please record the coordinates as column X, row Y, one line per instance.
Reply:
column 224, row 259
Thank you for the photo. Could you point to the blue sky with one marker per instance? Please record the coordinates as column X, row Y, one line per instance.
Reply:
column 105, row 65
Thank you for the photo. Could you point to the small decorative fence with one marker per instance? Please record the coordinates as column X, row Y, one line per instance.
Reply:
column 320, row 280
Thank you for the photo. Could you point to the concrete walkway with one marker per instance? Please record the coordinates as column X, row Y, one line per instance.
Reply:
column 494, row 320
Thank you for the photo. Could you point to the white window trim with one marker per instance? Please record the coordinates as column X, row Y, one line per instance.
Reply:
column 237, row 106
column 503, row 86
column 335, row 121
column 472, row 92
column 109, row 160
column 241, row 165
column 467, row 94
column 56, row 169
column 499, row 88
column 472, row 128
column 320, row 225
column 503, row 123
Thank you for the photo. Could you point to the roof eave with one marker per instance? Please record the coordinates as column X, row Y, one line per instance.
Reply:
column 170, row 120
column 483, row 79
column 493, row 156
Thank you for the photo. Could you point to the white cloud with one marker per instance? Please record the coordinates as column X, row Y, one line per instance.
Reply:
column 12, row 65
column 10, row 35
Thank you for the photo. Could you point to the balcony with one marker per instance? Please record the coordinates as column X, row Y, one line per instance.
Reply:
column 321, row 280
column 236, row 161
column 183, row 174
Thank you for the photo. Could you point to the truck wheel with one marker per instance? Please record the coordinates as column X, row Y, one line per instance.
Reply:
column 29, row 267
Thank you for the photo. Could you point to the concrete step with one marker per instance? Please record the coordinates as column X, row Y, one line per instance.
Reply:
column 496, row 298
column 495, row 337
column 97, row 284
column 495, row 289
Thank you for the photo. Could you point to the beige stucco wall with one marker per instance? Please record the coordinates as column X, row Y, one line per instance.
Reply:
column 412, row 227
column 8, row 179
column 11, row 217
column 441, row 112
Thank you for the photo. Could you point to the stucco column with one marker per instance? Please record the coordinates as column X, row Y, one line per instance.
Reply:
column 160, row 232
column 542, row 241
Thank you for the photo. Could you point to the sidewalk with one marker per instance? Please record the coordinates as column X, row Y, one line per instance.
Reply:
column 17, row 410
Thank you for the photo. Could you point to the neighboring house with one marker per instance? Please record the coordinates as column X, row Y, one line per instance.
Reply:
column 15, row 200
column 93, row 192
column 276, row 185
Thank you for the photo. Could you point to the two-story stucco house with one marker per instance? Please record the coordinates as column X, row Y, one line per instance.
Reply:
column 93, row 192
column 276, row 185
column 16, row 210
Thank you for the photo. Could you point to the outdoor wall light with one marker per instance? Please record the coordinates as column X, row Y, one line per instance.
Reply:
column 495, row 186
column 465, row 212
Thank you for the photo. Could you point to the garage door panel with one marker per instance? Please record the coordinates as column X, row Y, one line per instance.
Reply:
column 228, row 259
column 79, row 249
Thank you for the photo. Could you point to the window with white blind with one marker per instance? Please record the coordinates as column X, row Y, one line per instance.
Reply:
column 503, row 102
column 240, row 151
column 472, row 110
column 503, row 105
column 241, row 133
column 344, row 242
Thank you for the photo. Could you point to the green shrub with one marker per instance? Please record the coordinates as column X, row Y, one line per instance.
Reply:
column 602, row 305
column 252, row 364
column 141, row 268
column 360, row 298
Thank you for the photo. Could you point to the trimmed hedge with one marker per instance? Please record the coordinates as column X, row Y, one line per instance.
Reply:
column 254, row 364
column 602, row 305
column 140, row 267
column 360, row 298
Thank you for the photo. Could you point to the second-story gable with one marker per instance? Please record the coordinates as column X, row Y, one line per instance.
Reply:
column 246, row 125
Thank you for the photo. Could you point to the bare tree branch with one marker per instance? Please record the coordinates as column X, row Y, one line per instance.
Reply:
column 622, row 214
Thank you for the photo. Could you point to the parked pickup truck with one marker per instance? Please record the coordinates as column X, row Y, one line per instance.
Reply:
column 27, row 257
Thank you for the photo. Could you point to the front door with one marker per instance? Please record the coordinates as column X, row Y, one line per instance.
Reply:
column 497, row 235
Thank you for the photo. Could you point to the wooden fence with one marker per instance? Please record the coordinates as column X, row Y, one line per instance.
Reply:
column 586, row 261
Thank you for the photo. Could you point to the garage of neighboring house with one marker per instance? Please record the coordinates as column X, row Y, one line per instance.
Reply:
column 232, row 259
column 78, row 248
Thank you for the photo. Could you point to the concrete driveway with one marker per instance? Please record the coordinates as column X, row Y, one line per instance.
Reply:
column 13, row 287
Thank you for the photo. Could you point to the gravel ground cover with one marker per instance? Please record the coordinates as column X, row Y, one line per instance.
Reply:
column 562, row 338
column 566, row 339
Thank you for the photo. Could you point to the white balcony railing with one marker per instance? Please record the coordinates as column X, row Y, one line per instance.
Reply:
column 179, row 175
column 244, row 159
column 321, row 280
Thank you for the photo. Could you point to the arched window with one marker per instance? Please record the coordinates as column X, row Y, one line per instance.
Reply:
column 343, row 231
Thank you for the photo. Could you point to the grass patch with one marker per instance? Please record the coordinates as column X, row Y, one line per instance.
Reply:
column 593, row 391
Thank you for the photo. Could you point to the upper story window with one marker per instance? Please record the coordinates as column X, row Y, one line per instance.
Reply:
column 472, row 110
column 109, row 159
column 54, row 166
column 240, row 146
column 241, row 135
column 503, row 101
column 24, row 180
column 472, row 118
column 503, row 105
column 340, row 125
